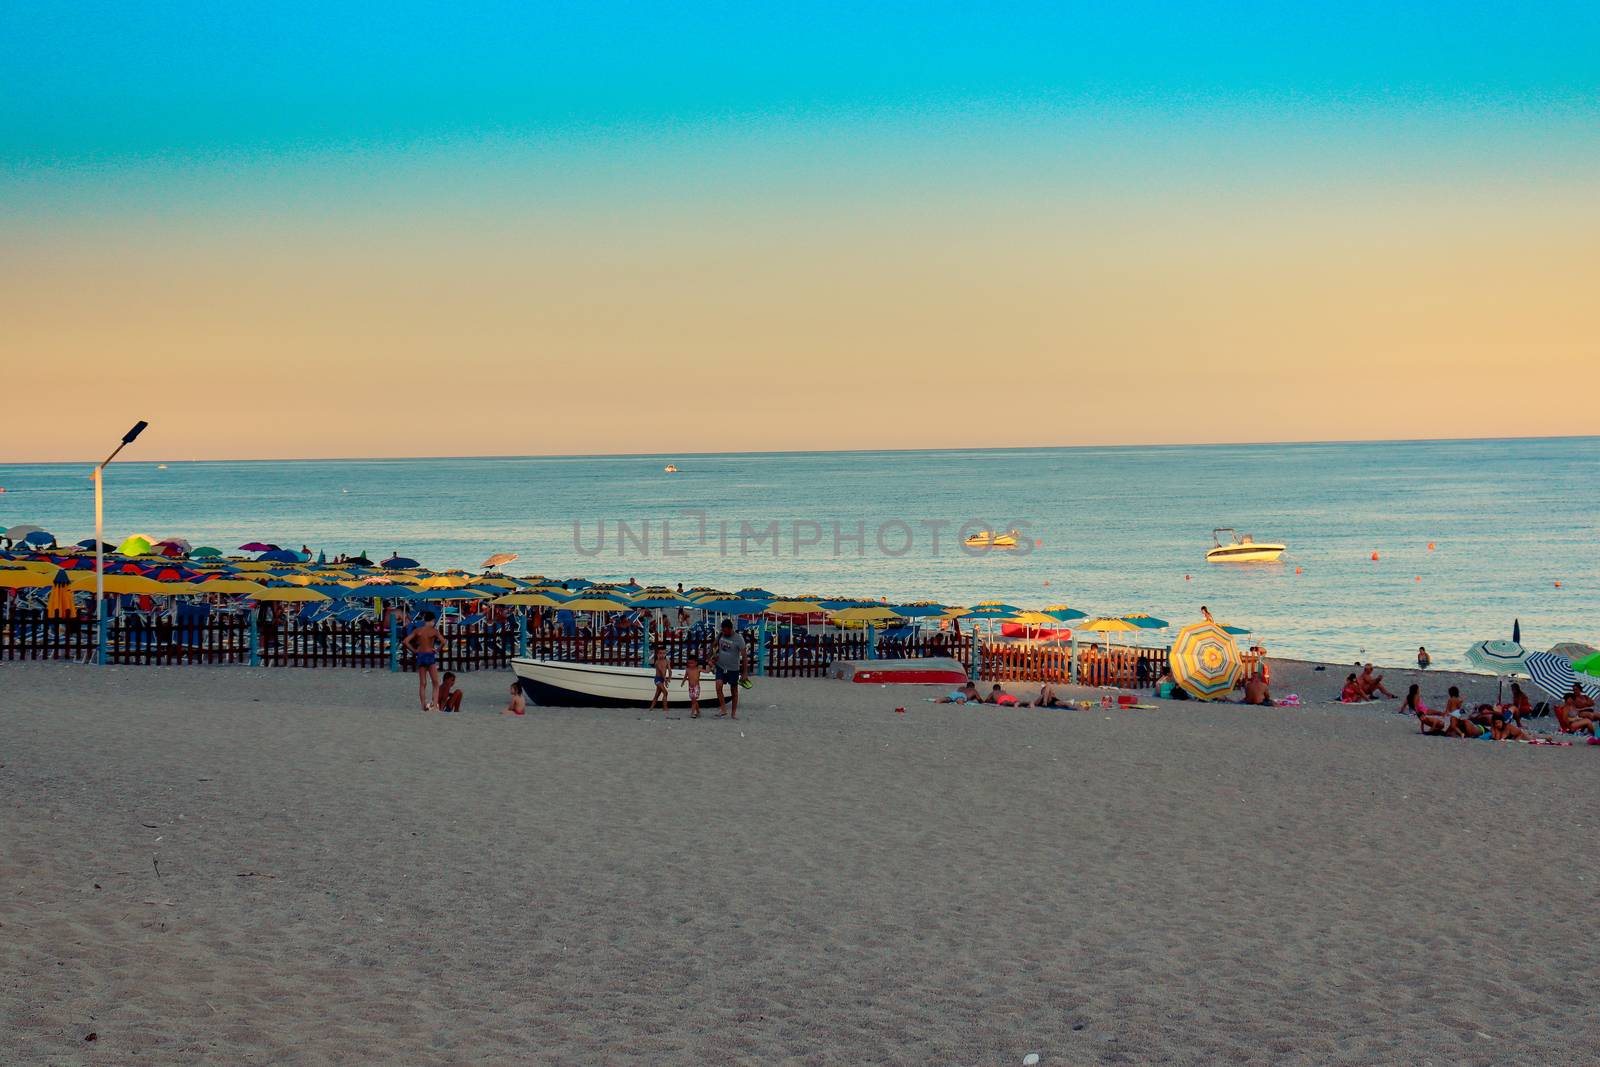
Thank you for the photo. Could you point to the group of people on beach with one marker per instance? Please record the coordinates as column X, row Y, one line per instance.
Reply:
column 1364, row 686
column 730, row 673
column 1575, row 714
column 969, row 694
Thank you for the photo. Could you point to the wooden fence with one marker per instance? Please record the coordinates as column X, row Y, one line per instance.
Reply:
column 227, row 639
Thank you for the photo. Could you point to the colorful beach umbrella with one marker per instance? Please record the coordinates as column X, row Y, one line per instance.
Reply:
column 1205, row 661
column 137, row 545
column 733, row 606
column 1572, row 651
column 1588, row 665
column 794, row 607
column 257, row 546
column 595, row 603
column 1146, row 622
column 1107, row 625
column 1062, row 613
column 499, row 559
column 1500, row 657
column 1555, row 675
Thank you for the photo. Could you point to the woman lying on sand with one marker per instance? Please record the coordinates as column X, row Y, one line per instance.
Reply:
column 1501, row 724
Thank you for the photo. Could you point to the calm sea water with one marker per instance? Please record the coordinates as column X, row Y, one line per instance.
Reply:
column 1118, row 529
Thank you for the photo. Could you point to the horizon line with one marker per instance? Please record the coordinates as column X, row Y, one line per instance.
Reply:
column 832, row 451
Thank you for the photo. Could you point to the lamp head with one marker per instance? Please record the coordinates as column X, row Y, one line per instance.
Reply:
column 138, row 428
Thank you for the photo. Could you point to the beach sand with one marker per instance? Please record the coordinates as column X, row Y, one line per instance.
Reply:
column 297, row 867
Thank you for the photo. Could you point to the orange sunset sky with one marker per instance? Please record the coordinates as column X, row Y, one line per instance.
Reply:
column 269, row 256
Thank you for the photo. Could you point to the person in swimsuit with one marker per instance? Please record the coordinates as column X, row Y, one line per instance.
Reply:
column 999, row 696
column 663, row 668
column 426, row 642
column 967, row 694
column 1423, row 659
column 449, row 698
column 1501, row 727
column 1372, row 684
column 691, row 682
column 1426, row 722
column 518, row 704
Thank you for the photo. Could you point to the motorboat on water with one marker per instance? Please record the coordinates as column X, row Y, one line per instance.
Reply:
column 1241, row 548
column 671, row 468
column 990, row 539
column 562, row 684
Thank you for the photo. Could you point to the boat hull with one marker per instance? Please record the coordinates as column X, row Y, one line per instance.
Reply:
column 934, row 670
column 1245, row 553
column 559, row 684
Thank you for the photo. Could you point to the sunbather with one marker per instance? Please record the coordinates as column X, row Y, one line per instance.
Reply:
column 1047, row 697
column 1571, row 722
column 1351, row 693
column 1504, row 727
column 1256, row 692
column 1372, row 684
column 1579, row 704
column 1427, row 722
column 967, row 694
column 998, row 695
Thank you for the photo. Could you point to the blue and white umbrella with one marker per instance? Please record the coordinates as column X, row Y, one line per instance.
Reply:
column 1501, row 657
column 1555, row 675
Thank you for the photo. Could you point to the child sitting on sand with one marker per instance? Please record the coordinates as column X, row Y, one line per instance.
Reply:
column 691, row 681
column 449, row 696
column 518, row 704
column 1351, row 693
column 663, row 668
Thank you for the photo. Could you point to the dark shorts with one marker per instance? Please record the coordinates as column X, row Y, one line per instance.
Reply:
column 427, row 659
column 728, row 677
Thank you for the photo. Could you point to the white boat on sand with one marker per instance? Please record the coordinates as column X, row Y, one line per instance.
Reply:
column 560, row 684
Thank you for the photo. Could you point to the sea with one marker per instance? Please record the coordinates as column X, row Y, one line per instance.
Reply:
column 1391, row 545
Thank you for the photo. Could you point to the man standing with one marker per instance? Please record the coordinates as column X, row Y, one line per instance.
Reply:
column 427, row 642
column 729, row 669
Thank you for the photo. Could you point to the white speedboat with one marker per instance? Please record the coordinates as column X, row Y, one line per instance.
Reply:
column 671, row 468
column 560, row 684
column 1241, row 549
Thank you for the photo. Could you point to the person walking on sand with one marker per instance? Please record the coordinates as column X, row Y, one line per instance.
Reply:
column 729, row 669
column 426, row 642
column 663, row 668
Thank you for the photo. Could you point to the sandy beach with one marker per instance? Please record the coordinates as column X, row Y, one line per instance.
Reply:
column 251, row 867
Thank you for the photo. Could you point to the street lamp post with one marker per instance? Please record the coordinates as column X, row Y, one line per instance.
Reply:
column 99, row 539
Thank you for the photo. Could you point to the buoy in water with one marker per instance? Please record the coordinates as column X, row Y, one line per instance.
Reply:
column 1297, row 570
column 1374, row 555
column 1186, row 577
column 1558, row 585
column 1419, row 577
column 1430, row 546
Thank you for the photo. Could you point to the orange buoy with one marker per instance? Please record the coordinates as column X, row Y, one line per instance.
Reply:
column 1297, row 570
column 1430, row 546
column 1374, row 555
column 1419, row 577
column 1558, row 585
column 1037, row 541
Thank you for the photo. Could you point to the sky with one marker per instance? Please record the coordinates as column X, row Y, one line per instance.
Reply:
column 481, row 229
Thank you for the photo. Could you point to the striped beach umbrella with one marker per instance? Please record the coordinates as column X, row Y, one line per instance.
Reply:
column 1205, row 661
column 1501, row 657
column 1555, row 675
column 1572, row 651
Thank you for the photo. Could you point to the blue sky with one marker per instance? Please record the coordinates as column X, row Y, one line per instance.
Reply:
column 100, row 83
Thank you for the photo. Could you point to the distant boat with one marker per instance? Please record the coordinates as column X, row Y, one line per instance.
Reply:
column 1241, row 549
column 990, row 539
column 671, row 468
column 161, row 466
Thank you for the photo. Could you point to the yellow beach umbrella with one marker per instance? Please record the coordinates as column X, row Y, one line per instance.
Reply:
column 301, row 579
column 1205, row 661
column 528, row 600
column 444, row 581
column 118, row 583
column 41, row 566
column 867, row 614
column 1107, row 626
column 24, row 578
column 1037, row 619
column 287, row 593
column 228, row 585
column 494, row 583
column 61, row 605
column 593, row 603
column 793, row 607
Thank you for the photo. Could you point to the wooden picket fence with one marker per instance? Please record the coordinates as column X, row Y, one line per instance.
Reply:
column 366, row 645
